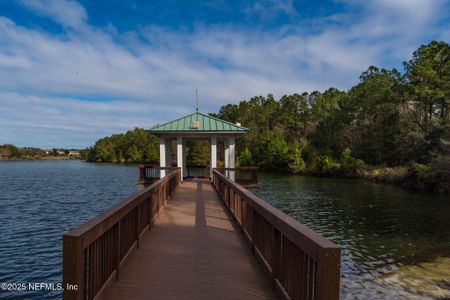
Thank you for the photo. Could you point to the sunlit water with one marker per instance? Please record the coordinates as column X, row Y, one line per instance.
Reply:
column 395, row 242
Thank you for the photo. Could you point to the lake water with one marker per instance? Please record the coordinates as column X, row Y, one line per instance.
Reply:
column 395, row 242
column 39, row 202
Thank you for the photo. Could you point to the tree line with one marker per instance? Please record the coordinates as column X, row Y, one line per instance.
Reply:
column 9, row 151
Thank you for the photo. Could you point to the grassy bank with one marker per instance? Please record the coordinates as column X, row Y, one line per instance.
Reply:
column 434, row 176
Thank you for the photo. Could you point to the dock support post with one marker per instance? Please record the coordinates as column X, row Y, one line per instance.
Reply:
column 73, row 272
column 226, row 156
column 162, row 155
column 231, row 155
column 180, row 158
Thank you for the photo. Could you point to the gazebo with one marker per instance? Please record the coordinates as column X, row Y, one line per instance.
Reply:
column 197, row 126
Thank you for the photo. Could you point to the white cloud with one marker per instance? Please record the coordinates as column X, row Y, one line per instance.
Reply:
column 149, row 75
column 65, row 12
column 37, row 118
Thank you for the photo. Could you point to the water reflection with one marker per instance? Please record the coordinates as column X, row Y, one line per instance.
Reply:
column 383, row 230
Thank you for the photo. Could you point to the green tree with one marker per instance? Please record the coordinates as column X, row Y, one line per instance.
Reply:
column 133, row 154
column 132, row 146
column 151, row 153
column 295, row 160
column 245, row 158
column 428, row 72
column 198, row 153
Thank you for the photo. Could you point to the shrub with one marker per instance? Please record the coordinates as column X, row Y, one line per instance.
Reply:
column 391, row 175
column 295, row 160
column 440, row 173
column 350, row 166
column 326, row 166
column 245, row 158
column 418, row 176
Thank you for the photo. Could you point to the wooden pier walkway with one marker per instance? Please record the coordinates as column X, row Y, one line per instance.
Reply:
column 197, row 239
column 192, row 252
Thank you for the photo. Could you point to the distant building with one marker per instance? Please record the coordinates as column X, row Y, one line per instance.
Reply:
column 41, row 153
column 61, row 153
column 5, row 152
column 74, row 154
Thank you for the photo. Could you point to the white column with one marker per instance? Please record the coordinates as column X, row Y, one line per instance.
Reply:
column 231, row 155
column 213, row 155
column 162, row 155
column 180, row 155
column 226, row 155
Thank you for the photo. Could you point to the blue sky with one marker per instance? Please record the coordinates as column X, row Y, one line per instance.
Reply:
column 74, row 71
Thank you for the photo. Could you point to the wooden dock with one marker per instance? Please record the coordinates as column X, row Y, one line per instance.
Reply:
column 192, row 252
column 198, row 240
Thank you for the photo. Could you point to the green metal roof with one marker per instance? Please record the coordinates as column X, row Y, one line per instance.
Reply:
column 206, row 124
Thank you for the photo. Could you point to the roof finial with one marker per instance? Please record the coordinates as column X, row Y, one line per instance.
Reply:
column 196, row 98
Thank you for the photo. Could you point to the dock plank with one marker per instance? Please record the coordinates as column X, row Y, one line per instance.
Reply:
column 192, row 252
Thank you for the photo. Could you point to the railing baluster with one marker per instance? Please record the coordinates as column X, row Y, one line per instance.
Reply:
column 118, row 249
column 138, row 225
column 276, row 253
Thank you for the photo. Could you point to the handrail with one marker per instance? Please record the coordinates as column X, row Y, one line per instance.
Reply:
column 238, row 168
column 245, row 176
column 197, row 171
column 302, row 263
column 94, row 252
column 152, row 173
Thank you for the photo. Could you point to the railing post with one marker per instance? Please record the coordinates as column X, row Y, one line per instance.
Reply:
column 328, row 274
column 241, row 202
column 73, row 267
column 118, row 249
column 150, row 206
column 141, row 174
column 276, row 254
column 160, row 196
column 138, row 225
column 226, row 194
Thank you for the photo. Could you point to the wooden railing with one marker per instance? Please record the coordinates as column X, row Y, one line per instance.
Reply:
column 302, row 263
column 197, row 171
column 152, row 173
column 245, row 176
column 94, row 252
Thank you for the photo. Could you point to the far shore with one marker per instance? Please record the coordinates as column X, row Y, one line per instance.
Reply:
column 40, row 158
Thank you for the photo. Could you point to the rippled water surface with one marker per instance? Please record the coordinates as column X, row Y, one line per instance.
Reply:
column 395, row 242
column 39, row 202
